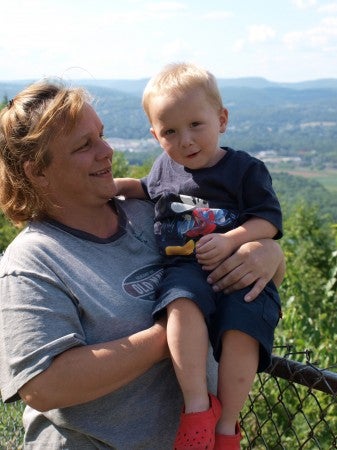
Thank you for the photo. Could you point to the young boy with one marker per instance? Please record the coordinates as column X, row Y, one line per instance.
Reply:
column 208, row 201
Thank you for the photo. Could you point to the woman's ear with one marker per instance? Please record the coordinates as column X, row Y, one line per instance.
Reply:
column 223, row 119
column 34, row 176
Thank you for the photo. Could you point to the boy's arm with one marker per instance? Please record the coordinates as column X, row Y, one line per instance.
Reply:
column 129, row 188
column 252, row 230
column 214, row 248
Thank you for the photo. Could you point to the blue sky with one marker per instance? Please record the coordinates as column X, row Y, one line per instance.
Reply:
column 280, row 40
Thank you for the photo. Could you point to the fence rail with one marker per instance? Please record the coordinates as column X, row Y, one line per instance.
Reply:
column 292, row 406
column 305, row 374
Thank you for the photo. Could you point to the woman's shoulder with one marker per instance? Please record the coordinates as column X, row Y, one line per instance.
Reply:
column 135, row 207
column 28, row 247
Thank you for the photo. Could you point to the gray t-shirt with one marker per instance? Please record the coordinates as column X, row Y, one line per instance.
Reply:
column 61, row 288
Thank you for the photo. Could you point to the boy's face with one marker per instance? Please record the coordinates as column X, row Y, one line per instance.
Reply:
column 187, row 127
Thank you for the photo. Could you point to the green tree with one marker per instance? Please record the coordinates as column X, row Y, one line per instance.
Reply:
column 309, row 318
column 120, row 165
column 137, row 171
column 4, row 102
column 308, row 296
column 7, row 232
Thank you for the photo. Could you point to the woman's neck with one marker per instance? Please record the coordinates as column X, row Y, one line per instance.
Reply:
column 102, row 223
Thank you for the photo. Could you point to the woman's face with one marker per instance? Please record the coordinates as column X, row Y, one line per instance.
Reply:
column 80, row 171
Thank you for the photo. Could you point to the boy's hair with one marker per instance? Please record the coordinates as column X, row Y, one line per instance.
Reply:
column 28, row 125
column 177, row 78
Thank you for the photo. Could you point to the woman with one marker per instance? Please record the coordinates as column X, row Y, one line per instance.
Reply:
column 77, row 285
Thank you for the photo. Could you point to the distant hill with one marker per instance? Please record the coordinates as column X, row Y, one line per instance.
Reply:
column 293, row 190
column 136, row 86
column 288, row 118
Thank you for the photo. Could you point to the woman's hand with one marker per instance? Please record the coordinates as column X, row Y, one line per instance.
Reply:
column 253, row 263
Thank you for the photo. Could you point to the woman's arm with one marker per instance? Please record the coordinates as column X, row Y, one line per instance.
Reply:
column 86, row 373
column 253, row 263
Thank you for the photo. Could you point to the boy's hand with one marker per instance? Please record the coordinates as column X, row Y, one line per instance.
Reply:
column 213, row 248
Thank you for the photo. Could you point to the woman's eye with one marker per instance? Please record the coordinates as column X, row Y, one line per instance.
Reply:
column 83, row 146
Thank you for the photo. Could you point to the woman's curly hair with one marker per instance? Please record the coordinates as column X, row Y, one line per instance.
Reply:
column 28, row 125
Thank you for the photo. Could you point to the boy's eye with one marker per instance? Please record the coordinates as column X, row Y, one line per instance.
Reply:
column 194, row 124
column 167, row 132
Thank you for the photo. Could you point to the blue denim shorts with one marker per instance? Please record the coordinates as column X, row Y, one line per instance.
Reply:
column 222, row 312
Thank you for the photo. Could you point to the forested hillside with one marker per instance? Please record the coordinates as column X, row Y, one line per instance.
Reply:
column 294, row 191
column 290, row 119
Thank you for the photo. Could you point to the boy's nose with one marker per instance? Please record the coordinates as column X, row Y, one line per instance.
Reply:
column 186, row 139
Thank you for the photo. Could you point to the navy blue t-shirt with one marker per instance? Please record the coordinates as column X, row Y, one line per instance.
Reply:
column 191, row 203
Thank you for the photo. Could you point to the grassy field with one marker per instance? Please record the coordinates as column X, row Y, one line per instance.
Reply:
column 11, row 430
column 328, row 177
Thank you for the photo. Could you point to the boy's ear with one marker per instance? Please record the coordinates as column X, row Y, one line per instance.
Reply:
column 34, row 176
column 153, row 133
column 223, row 119
column 155, row 136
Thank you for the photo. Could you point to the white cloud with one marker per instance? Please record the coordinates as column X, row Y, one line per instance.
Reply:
column 304, row 4
column 239, row 45
column 256, row 34
column 330, row 8
column 260, row 33
column 165, row 6
column 175, row 49
column 320, row 37
column 218, row 15
column 292, row 38
column 330, row 25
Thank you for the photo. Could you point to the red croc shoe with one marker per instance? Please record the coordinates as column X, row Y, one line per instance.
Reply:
column 227, row 442
column 197, row 430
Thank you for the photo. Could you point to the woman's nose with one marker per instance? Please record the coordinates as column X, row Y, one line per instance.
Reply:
column 106, row 151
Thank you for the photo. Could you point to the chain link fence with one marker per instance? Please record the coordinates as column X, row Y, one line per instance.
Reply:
column 292, row 406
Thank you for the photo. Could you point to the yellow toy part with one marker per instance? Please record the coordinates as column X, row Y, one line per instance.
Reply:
column 184, row 250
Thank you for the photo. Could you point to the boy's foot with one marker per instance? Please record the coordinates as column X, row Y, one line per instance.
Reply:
column 197, row 430
column 228, row 442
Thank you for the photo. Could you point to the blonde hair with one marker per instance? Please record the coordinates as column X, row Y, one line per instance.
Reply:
column 178, row 78
column 28, row 125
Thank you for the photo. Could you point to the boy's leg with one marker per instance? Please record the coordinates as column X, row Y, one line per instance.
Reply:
column 237, row 368
column 187, row 338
